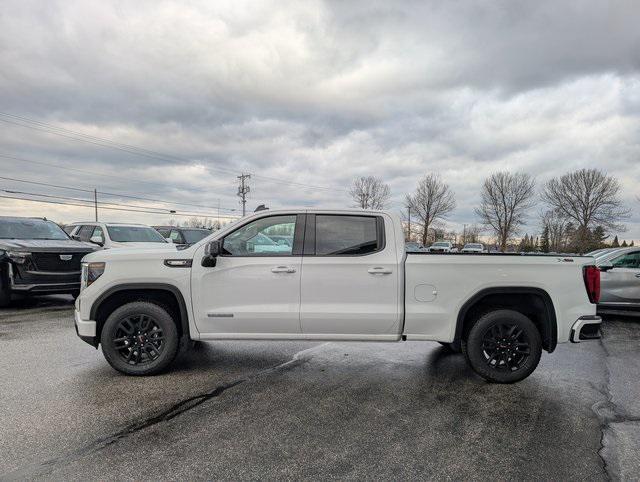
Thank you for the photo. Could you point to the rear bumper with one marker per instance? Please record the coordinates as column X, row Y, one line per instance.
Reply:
column 621, row 309
column 586, row 328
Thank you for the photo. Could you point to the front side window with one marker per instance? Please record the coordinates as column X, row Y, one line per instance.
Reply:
column 346, row 235
column 175, row 236
column 629, row 260
column 134, row 234
column 84, row 233
column 254, row 239
column 30, row 229
column 192, row 236
column 98, row 233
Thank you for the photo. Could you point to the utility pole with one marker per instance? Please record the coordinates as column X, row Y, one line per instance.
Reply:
column 408, row 223
column 243, row 189
column 95, row 202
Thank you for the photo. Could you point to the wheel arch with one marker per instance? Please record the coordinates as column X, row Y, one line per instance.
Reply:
column 166, row 295
column 530, row 301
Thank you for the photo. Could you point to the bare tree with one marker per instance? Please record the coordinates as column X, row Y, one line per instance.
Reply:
column 369, row 192
column 588, row 198
column 471, row 233
column 556, row 227
column 432, row 201
column 505, row 200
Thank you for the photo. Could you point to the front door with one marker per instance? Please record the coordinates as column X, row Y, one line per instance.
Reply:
column 254, row 288
column 350, row 278
column 621, row 284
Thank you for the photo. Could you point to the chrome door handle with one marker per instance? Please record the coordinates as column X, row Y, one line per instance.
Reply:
column 379, row 270
column 283, row 269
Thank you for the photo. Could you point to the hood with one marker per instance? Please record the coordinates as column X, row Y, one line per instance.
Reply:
column 115, row 244
column 134, row 253
column 46, row 245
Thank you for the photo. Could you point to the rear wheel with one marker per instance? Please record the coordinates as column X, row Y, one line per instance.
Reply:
column 503, row 346
column 139, row 338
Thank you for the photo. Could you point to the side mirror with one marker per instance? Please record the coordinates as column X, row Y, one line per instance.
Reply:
column 169, row 240
column 605, row 267
column 76, row 237
column 96, row 240
column 211, row 251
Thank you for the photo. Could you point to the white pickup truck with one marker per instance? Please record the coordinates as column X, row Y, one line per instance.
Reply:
column 333, row 275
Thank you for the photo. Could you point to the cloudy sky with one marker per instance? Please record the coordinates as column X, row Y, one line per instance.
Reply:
column 170, row 101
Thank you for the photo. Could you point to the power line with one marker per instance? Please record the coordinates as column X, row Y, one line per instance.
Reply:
column 112, row 208
column 131, row 149
column 67, row 198
column 243, row 190
column 115, row 177
column 57, row 186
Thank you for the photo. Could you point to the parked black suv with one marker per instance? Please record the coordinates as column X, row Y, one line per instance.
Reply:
column 183, row 236
column 38, row 257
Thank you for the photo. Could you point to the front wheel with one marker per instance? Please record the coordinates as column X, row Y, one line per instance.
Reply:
column 5, row 294
column 139, row 338
column 503, row 346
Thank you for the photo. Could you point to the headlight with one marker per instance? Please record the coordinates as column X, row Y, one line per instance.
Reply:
column 18, row 256
column 90, row 273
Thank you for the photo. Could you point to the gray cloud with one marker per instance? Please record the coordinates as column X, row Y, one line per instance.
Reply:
column 317, row 93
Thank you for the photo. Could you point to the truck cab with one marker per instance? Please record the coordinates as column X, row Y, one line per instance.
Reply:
column 344, row 276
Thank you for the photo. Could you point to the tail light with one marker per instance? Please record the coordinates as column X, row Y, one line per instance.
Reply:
column 591, row 276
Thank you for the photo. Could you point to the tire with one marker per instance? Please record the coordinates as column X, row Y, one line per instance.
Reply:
column 453, row 347
column 140, row 338
column 503, row 346
column 5, row 294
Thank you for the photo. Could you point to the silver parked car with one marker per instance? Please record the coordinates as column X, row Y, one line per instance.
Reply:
column 620, row 281
column 474, row 248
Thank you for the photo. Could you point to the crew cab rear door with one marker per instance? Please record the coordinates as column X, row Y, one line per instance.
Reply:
column 350, row 276
column 254, row 288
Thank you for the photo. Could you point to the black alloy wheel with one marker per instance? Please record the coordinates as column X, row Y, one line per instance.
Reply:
column 139, row 338
column 503, row 346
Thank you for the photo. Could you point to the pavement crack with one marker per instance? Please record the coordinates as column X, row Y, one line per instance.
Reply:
column 177, row 409
column 605, row 410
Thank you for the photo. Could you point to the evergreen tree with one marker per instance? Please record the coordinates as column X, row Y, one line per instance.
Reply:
column 624, row 244
column 631, row 244
column 544, row 240
column 616, row 243
column 598, row 238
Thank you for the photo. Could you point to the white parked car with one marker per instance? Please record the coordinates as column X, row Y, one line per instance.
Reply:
column 441, row 247
column 474, row 248
column 345, row 277
column 118, row 235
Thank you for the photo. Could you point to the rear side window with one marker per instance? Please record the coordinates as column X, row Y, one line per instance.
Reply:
column 348, row 235
column 629, row 260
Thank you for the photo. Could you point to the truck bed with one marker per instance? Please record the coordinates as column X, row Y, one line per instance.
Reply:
column 439, row 284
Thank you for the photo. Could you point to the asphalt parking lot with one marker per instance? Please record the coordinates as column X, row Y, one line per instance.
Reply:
column 238, row 410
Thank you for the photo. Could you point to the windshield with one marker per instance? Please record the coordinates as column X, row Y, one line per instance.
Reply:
column 30, row 229
column 194, row 235
column 474, row 246
column 440, row 244
column 134, row 234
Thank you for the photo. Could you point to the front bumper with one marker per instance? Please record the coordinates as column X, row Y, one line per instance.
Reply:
column 46, row 288
column 586, row 328
column 86, row 329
